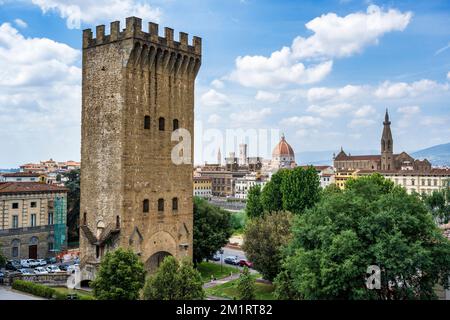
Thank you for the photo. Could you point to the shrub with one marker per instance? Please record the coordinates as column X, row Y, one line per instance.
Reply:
column 34, row 288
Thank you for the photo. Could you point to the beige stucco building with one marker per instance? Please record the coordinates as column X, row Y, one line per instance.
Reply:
column 28, row 215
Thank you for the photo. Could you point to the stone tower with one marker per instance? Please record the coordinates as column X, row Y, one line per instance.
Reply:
column 387, row 145
column 243, row 154
column 138, row 88
column 219, row 158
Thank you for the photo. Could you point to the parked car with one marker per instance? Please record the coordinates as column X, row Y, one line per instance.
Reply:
column 40, row 270
column 72, row 268
column 245, row 263
column 26, row 271
column 231, row 260
column 13, row 265
column 41, row 262
column 53, row 269
column 64, row 266
column 216, row 257
column 33, row 263
column 25, row 263
column 51, row 260
column 2, row 275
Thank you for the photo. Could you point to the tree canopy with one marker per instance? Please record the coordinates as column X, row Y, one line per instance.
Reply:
column 254, row 207
column 73, row 203
column 212, row 229
column 271, row 196
column 174, row 281
column 370, row 223
column 300, row 189
column 120, row 277
column 246, row 286
column 264, row 239
column 439, row 204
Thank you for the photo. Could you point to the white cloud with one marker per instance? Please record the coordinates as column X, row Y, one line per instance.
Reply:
column 90, row 12
column 304, row 121
column 395, row 90
column 249, row 116
column 330, row 111
column 212, row 98
column 364, row 111
column 355, row 123
column 277, row 70
column 434, row 120
column 214, row 118
column 218, row 84
column 267, row 96
column 448, row 75
column 409, row 110
column 40, row 98
column 326, row 93
column 35, row 61
column 20, row 23
column 335, row 36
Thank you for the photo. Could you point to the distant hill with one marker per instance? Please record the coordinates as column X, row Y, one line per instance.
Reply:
column 438, row 155
column 8, row 170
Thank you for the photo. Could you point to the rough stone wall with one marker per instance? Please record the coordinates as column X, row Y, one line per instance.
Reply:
column 138, row 75
column 24, row 235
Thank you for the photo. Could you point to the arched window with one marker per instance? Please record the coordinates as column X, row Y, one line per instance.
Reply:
column 117, row 222
column 175, row 124
column 84, row 219
column 160, row 204
column 174, row 204
column 15, row 245
column 147, row 122
column 145, row 206
column 161, row 124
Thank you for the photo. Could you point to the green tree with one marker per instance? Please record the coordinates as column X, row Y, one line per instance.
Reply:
column 120, row 277
column 212, row 229
column 371, row 222
column 439, row 204
column 271, row 196
column 2, row 258
column 284, row 287
column 300, row 189
column 73, row 204
column 264, row 239
column 254, row 207
column 174, row 281
column 246, row 286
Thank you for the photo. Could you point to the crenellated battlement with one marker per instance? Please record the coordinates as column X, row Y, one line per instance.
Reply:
column 133, row 29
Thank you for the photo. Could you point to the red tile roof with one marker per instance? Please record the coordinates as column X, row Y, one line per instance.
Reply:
column 29, row 187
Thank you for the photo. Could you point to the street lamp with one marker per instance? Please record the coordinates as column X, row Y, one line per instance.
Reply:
column 221, row 259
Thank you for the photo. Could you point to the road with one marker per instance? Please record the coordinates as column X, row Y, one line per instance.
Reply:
column 7, row 294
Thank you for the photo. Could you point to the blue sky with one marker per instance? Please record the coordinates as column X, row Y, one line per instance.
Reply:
column 322, row 72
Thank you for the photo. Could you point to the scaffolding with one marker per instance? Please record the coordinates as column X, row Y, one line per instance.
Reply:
column 60, row 229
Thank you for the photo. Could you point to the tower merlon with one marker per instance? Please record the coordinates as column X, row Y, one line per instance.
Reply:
column 133, row 29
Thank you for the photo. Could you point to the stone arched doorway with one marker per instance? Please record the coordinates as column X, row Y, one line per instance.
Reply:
column 152, row 263
column 33, row 248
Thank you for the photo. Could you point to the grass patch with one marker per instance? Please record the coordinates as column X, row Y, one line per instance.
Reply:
column 229, row 290
column 57, row 293
column 82, row 294
column 208, row 269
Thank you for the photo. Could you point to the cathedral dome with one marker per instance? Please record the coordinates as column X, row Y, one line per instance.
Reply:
column 283, row 149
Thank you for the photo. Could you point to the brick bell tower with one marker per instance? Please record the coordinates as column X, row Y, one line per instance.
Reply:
column 137, row 89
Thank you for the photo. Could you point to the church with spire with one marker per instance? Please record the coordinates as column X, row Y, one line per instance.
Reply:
column 386, row 161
